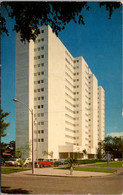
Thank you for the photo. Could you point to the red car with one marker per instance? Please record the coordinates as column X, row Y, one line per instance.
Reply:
column 44, row 162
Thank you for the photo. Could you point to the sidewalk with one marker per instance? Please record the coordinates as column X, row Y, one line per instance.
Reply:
column 61, row 173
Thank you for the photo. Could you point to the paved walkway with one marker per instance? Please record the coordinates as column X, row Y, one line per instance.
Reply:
column 63, row 173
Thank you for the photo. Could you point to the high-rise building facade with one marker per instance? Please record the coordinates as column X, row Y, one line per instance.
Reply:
column 68, row 104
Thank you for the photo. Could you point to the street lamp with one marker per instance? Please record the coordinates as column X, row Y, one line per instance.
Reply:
column 31, row 110
column 36, row 123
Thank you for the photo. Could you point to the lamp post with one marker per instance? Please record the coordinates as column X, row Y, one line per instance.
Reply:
column 31, row 110
column 36, row 123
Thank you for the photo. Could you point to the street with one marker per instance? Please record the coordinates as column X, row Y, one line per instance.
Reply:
column 32, row 184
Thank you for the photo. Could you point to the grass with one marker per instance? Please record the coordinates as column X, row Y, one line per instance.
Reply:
column 111, row 164
column 6, row 170
column 91, row 169
column 94, row 170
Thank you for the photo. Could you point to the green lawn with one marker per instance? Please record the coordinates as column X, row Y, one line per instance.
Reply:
column 7, row 170
column 91, row 169
column 94, row 169
column 111, row 164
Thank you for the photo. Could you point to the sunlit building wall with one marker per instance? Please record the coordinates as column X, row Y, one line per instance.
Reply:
column 65, row 97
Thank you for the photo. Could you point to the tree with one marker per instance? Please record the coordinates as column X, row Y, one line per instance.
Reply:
column 29, row 15
column 100, row 150
column 3, row 147
column 3, row 124
column 114, row 146
column 48, row 153
column 22, row 153
column 11, row 147
column 111, row 145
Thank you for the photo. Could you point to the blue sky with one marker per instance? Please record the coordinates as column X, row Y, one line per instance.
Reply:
column 99, row 41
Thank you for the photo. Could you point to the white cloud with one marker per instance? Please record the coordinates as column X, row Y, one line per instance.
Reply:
column 117, row 134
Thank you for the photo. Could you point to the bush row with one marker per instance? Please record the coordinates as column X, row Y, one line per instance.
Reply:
column 87, row 161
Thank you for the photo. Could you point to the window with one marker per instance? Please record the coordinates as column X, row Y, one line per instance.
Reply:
column 42, row 73
column 42, row 97
column 35, row 99
column 38, row 48
column 35, row 90
column 38, row 98
column 35, row 66
column 42, row 140
column 35, row 74
column 38, row 140
column 42, row 114
column 42, row 31
column 38, row 90
column 42, row 81
column 42, row 106
column 35, row 58
column 39, row 115
column 39, row 82
column 38, row 57
column 38, row 106
column 42, row 64
column 42, row 48
column 38, row 40
column 38, row 73
column 42, row 123
column 42, row 39
column 42, row 56
column 42, row 89
column 38, row 65
column 42, row 131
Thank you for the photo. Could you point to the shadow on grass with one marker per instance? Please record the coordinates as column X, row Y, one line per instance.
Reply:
column 7, row 190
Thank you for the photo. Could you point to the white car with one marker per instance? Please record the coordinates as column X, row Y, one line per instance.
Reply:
column 27, row 161
column 12, row 162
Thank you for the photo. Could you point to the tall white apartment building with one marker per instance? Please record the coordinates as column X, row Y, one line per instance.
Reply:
column 68, row 104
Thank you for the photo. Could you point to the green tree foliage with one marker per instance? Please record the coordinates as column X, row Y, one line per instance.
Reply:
column 48, row 153
column 3, row 147
column 29, row 15
column 100, row 150
column 70, row 161
column 22, row 153
column 11, row 148
column 3, row 124
column 111, row 145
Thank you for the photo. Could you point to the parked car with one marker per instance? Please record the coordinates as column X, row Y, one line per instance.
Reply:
column 12, row 162
column 27, row 161
column 44, row 162
column 60, row 162
column 2, row 161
